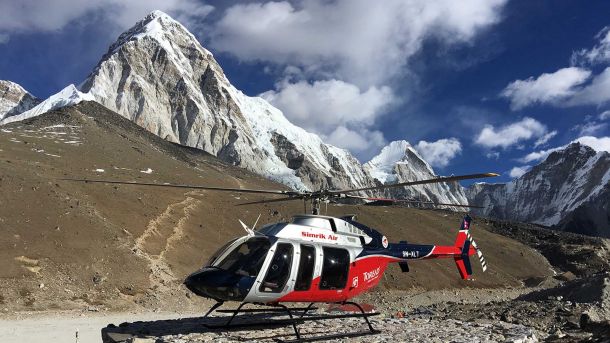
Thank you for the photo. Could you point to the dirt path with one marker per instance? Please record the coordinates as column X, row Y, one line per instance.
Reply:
column 161, row 234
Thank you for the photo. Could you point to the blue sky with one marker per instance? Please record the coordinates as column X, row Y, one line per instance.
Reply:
column 477, row 85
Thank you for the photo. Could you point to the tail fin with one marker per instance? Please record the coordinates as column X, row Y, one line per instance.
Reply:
column 468, row 247
column 463, row 242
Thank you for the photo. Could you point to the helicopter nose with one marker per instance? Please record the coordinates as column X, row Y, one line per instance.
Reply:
column 215, row 283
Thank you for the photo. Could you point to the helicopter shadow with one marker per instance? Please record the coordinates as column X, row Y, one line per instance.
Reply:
column 125, row 332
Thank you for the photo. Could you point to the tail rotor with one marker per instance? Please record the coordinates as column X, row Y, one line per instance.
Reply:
column 479, row 252
column 468, row 246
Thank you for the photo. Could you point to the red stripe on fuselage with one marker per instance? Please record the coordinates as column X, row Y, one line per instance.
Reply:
column 364, row 274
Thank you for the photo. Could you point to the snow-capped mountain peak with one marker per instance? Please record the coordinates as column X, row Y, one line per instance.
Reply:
column 158, row 75
column 400, row 162
column 570, row 189
column 70, row 95
column 381, row 167
column 159, row 26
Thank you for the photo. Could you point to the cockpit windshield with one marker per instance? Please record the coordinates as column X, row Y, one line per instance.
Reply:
column 245, row 259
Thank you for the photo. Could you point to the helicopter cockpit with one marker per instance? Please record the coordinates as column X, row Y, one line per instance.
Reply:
column 245, row 259
column 232, row 269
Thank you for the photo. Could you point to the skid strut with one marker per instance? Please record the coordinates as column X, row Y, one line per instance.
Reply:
column 293, row 321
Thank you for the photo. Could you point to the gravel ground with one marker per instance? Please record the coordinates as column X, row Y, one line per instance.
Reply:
column 397, row 330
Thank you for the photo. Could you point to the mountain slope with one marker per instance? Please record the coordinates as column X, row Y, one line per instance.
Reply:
column 14, row 99
column 569, row 190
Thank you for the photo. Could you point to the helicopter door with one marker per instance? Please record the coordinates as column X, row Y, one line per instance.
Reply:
column 278, row 270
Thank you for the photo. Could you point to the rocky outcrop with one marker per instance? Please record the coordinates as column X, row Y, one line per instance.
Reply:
column 14, row 99
column 570, row 191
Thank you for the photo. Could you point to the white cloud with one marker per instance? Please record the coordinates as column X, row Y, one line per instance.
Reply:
column 590, row 128
column 493, row 155
column 336, row 110
column 547, row 88
column 323, row 105
column 600, row 53
column 363, row 143
column 571, row 86
column 538, row 155
column 48, row 16
column 518, row 171
column 508, row 135
column 604, row 115
column 439, row 153
column 595, row 93
column 544, row 139
column 362, row 42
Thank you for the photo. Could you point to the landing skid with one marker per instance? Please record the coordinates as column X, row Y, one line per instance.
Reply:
column 294, row 321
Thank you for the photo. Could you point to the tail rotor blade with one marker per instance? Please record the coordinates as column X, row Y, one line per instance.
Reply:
column 479, row 252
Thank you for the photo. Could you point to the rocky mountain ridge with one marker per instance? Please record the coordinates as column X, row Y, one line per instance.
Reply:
column 569, row 190
column 14, row 99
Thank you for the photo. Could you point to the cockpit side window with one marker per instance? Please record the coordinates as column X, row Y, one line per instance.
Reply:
column 279, row 269
column 247, row 258
column 219, row 252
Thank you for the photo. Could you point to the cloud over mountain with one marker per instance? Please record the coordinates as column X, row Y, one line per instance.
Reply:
column 45, row 16
column 441, row 152
column 358, row 49
column 511, row 134
column 576, row 85
column 546, row 88
column 361, row 42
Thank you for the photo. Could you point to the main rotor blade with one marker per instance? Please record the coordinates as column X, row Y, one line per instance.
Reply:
column 420, row 182
column 171, row 185
column 270, row 200
column 415, row 202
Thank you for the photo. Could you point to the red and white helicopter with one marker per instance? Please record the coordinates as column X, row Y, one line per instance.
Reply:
column 312, row 258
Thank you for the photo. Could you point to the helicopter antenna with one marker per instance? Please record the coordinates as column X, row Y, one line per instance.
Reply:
column 248, row 230
column 256, row 222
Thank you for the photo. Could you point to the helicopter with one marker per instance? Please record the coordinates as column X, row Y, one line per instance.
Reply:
column 312, row 258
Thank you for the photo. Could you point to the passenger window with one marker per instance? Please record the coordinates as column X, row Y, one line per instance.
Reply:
column 279, row 269
column 306, row 266
column 334, row 269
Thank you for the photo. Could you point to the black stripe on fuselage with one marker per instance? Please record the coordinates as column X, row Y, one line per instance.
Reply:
column 400, row 250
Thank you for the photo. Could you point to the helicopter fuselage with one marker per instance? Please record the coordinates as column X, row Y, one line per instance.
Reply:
column 312, row 259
